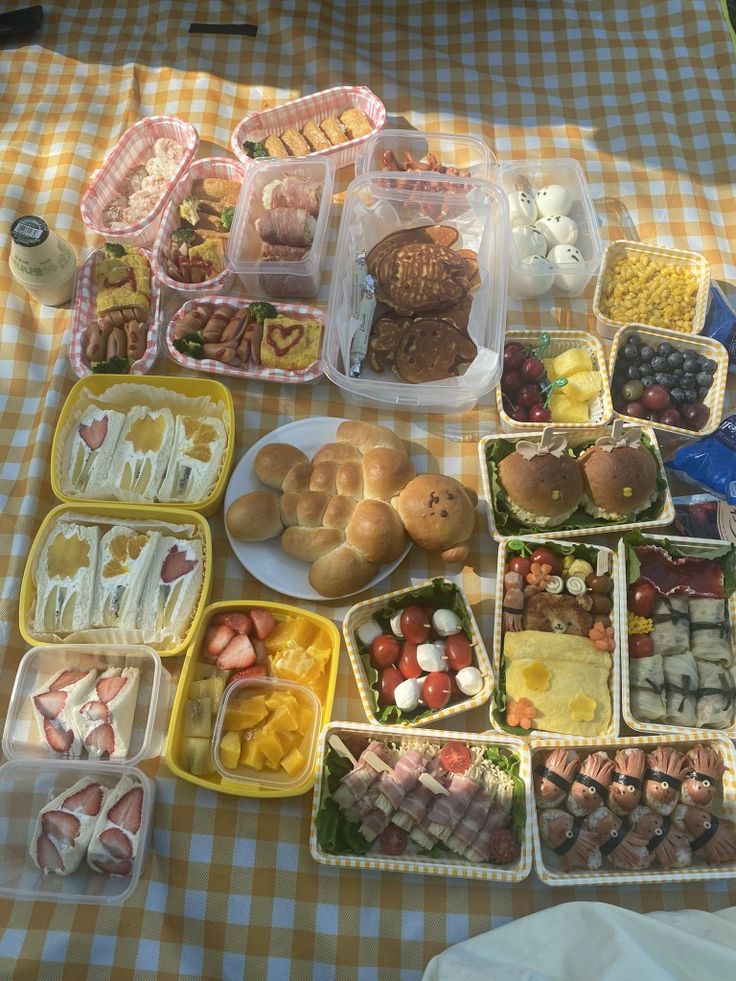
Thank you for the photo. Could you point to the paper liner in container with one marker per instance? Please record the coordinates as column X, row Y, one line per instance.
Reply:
column 183, row 396
column 703, row 345
column 665, row 728
column 498, row 633
column 84, row 314
column 294, row 311
column 374, row 208
column 256, row 126
column 222, row 168
column 544, row 858
column 450, row 149
column 694, row 261
column 575, row 438
column 359, row 614
column 214, row 780
column 176, row 523
column 600, row 409
column 132, row 149
column 454, row 867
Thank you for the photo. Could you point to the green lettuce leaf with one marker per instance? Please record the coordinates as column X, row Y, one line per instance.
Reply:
column 335, row 834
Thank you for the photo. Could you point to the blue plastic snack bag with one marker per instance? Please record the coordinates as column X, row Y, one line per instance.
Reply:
column 720, row 323
column 710, row 461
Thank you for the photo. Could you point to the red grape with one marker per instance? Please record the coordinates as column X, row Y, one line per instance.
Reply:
column 519, row 415
column 538, row 413
column 635, row 409
column 695, row 415
column 393, row 840
column 642, row 597
column 533, row 369
column 671, row 417
column 513, row 356
column 656, row 398
column 528, row 395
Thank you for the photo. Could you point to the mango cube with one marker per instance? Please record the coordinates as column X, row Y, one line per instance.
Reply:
column 564, row 409
column 298, row 632
column 571, row 362
column 251, row 755
column 296, row 664
column 270, row 745
column 230, row 750
column 284, row 718
column 293, row 762
column 583, row 386
column 244, row 713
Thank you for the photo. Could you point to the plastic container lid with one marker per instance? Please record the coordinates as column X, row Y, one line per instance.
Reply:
column 21, row 738
column 246, row 688
column 451, row 150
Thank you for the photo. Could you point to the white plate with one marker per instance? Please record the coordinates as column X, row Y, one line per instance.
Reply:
column 267, row 561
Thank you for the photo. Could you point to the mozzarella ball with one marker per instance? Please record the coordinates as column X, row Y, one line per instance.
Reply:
column 522, row 209
column 567, row 279
column 528, row 241
column 557, row 230
column 446, row 623
column 406, row 694
column 431, row 657
column 396, row 625
column 533, row 277
column 469, row 681
column 368, row 631
column 554, row 199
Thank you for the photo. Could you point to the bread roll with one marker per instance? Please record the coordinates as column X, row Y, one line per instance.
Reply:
column 339, row 512
column 365, row 436
column 375, row 530
column 273, row 462
column 254, row 517
column 341, row 572
column 436, row 511
column 349, row 479
column 323, row 477
column 309, row 544
column 296, row 480
column 339, row 452
column 385, row 473
column 310, row 509
column 288, row 505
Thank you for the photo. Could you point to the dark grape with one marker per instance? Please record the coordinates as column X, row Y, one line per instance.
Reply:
column 675, row 359
column 665, row 348
column 671, row 417
column 634, row 371
column 651, row 415
column 635, row 409
column 703, row 378
column 632, row 390
column 656, row 398
column 646, row 353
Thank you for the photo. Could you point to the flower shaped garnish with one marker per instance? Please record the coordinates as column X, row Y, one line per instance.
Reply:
column 602, row 637
column 582, row 708
column 537, row 676
column 520, row 713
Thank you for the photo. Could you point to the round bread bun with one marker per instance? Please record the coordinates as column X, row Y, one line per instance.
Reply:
column 376, row 531
column 385, row 473
column 341, row 572
column 309, row 544
column 273, row 462
column 547, row 487
column 339, row 452
column 322, row 478
column 365, row 436
column 618, row 483
column 297, row 478
column 349, row 479
column 289, row 507
column 339, row 512
column 437, row 512
column 310, row 509
column 254, row 517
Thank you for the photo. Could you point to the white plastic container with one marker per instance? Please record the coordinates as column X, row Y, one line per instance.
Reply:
column 532, row 176
column 375, row 207
column 278, row 279
column 20, row 736
column 452, row 150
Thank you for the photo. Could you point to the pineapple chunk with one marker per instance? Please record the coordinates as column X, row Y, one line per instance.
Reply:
column 270, row 745
column 211, row 688
column 564, row 409
column 251, row 755
column 549, row 368
column 293, row 762
column 306, row 718
column 197, row 718
column 244, row 713
column 298, row 632
column 284, row 719
column 571, row 362
column 280, row 699
column 230, row 750
column 297, row 664
column 583, row 386
column 196, row 756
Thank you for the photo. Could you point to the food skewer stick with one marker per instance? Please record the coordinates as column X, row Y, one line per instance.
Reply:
column 375, row 761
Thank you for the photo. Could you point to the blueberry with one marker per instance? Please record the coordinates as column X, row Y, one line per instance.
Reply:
column 646, row 353
column 691, row 364
column 704, row 379
column 663, row 379
column 675, row 359
column 703, row 392
column 688, row 380
column 665, row 348
column 678, row 395
column 710, row 366
column 659, row 363
column 691, row 353
column 634, row 371
column 691, row 395
column 634, row 339
column 677, row 375
column 647, row 381
column 631, row 353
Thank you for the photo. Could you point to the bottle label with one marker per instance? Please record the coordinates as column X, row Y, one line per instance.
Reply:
column 726, row 433
column 46, row 268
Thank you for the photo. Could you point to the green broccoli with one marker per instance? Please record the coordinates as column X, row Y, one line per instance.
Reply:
column 189, row 209
column 261, row 311
column 113, row 366
column 183, row 234
column 114, row 250
column 227, row 217
column 255, row 150
column 191, row 345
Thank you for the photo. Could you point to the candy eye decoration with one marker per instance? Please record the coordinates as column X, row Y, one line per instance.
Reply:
column 614, row 833
column 707, row 825
column 659, row 832
column 630, row 788
column 705, row 783
column 569, row 834
column 664, row 785
column 591, row 790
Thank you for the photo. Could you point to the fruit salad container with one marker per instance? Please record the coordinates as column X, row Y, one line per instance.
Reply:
column 256, row 126
column 433, row 593
column 131, row 150
column 693, row 262
column 326, row 813
column 600, row 408
column 548, row 866
column 685, row 546
column 195, row 396
column 571, row 277
column 26, row 787
column 190, row 745
column 147, row 720
column 450, row 150
column 704, row 346
column 663, row 510
column 580, row 550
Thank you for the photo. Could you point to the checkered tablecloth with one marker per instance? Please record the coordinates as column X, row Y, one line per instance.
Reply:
column 641, row 94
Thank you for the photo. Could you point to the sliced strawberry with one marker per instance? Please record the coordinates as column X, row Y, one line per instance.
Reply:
column 241, row 623
column 260, row 648
column 95, row 711
column 67, row 678
column 117, row 843
column 60, row 740
column 111, row 867
column 50, row 703
column 88, row 800
column 216, row 638
column 102, row 738
column 263, row 621
column 176, row 564
column 238, row 654
column 126, row 813
column 95, row 434
column 107, row 688
column 60, row 825
column 48, row 855
column 256, row 671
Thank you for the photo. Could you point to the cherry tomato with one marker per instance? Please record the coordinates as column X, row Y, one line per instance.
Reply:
column 459, row 652
column 521, row 565
column 407, row 663
column 387, row 682
column 384, row 651
column 414, row 624
column 436, row 690
column 545, row 556
column 640, row 645
column 393, row 840
column 455, row 757
column 642, row 598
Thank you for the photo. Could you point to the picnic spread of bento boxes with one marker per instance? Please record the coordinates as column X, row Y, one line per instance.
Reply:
column 217, row 262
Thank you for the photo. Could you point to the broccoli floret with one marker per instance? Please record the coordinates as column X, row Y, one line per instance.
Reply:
column 189, row 209
column 113, row 366
column 114, row 250
column 227, row 217
column 255, row 150
column 262, row 311
column 180, row 235
column 192, row 345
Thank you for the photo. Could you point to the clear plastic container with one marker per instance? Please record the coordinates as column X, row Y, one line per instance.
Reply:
column 241, row 691
column 20, row 736
column 26, row 786
column 271, row 278
column 374, row 208
column 533, row 175
column 465, row 152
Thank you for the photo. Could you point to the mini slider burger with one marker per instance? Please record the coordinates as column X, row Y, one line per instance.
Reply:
column 620, row 475
column 542, row 482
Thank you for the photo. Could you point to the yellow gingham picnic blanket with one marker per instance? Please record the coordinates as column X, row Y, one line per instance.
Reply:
column 640, row 94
